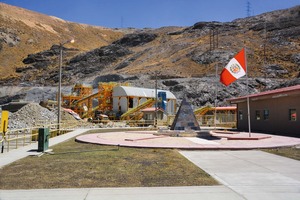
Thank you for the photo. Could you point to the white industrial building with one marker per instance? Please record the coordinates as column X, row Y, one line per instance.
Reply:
column 125, row 98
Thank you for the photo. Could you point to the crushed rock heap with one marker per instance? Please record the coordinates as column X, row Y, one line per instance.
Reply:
column 33, row 115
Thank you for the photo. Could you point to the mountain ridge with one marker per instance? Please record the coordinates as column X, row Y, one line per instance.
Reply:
column 184, row 56
column 25, row 32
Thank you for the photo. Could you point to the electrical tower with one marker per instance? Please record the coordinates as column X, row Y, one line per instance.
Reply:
column 248, row 8
column 213, row 38
column 122, row 22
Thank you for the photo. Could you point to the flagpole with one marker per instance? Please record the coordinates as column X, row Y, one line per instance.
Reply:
column 248, row 103
column 215, row 118
column 233, row 71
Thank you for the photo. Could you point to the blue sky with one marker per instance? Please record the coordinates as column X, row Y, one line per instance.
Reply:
column 150, row 13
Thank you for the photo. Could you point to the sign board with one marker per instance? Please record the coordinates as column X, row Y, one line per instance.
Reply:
column 4, row 122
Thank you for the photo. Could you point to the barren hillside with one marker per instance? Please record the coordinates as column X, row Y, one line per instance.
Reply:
column 24, row 32
column 188, row 55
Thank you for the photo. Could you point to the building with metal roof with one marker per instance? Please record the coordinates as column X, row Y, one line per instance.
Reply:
column 276, row 111
column 125, row 98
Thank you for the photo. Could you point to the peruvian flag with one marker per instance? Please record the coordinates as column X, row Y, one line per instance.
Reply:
column 235, row 69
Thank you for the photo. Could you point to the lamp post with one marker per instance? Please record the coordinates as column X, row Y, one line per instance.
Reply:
column 155, row 117
column 59, row 84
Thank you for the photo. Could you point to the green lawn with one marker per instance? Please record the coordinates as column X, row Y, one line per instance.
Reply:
column 79, row 165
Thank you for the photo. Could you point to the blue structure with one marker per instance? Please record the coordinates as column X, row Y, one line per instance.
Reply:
column 162, row 100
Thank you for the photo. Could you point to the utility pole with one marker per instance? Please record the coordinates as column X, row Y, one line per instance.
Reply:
column 155, row 117
column 61, row 45
column 265, row 42
column 214, row 44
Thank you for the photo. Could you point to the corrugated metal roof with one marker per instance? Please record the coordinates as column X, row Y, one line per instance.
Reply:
column 139, row 92
column 271, row 92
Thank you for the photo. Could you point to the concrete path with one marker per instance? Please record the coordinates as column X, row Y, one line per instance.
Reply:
column 152, row 193
column 252, row 174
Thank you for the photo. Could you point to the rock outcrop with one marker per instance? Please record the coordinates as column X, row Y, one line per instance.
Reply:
column 183, row 58
column 136, row 39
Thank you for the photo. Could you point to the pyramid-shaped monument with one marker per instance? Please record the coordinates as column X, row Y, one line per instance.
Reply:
column 185, row 118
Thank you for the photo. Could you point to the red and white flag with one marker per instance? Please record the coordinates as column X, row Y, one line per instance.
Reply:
column 235, row 69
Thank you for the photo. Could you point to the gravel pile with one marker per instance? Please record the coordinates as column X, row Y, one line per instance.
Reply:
column 30, row 115
column 34, row 115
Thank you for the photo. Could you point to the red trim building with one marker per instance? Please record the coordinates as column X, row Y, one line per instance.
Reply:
column 276, row 111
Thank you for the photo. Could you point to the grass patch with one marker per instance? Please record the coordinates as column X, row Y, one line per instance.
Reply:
column 290, row 152
column 79, row 165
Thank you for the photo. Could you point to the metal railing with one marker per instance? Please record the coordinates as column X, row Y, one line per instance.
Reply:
column 222, row 120
column 21, row 137
column 228, row 120
column 16, row 138
column 132, row 123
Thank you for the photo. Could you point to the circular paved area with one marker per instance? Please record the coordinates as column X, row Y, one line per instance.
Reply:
column 147, row 139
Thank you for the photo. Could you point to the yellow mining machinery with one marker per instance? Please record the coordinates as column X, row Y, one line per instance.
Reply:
column 81, row 99
column 134, row 113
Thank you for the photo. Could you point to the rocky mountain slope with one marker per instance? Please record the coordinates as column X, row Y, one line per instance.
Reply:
column 24, row 32
column 183, row 59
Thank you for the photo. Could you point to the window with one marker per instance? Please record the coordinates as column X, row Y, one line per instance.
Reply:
column 149, row 116
column 266, row 114
column 240, row 115
column 257, row 114
column 292, row 115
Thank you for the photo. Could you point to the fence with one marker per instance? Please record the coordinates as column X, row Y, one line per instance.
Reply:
column 227, row 120
column 21, row 137
column 131, row 123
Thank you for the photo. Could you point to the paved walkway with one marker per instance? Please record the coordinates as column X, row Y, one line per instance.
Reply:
column 251, row 174
column 151, row 193
column 244, row 175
